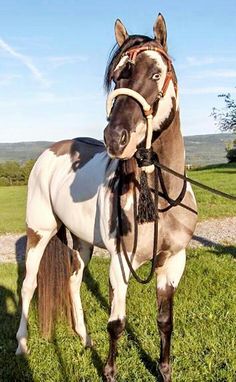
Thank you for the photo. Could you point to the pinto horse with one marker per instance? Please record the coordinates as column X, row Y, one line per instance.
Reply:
column 84, row 185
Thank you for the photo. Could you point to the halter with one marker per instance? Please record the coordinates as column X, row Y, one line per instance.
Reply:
column 132, row 54
column 147, row 108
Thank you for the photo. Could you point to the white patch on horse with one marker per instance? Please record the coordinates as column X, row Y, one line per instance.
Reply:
column 190, row 190
column 119, row 276
column 121, row 62
column 165, row 103
column 129, row 201
column 75, row 283
column 141, row 131
column 171, row 272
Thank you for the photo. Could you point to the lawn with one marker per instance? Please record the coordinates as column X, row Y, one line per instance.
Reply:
column 223, row 177
column 204, row 337
column 12, row 210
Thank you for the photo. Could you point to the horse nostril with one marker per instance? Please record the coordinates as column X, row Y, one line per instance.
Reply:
column 124, row 138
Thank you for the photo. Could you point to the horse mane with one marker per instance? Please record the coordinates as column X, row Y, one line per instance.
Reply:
column 116, row 54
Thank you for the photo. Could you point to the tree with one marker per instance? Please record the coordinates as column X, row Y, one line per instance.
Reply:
column 226, row 118
column 14, row 173
column 26, row 169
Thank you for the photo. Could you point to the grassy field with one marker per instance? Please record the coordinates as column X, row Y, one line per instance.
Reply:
column 12, row 210
column 203, row 342
column 223, row 177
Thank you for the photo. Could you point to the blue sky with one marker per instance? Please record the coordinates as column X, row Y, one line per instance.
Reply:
column 53, row 55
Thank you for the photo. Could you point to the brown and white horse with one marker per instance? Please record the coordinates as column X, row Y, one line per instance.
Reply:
column 77, row 184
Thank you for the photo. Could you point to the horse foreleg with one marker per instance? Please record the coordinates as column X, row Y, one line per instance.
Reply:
column 168, row 277
column 165, row 325
column 119, row 275
column 84, row 252
column 36, row 244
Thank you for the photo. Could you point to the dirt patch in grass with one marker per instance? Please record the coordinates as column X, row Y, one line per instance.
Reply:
column 210, row 233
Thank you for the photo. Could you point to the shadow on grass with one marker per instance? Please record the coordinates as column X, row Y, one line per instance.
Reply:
column 217, row 166
column 216, row 248
column 226, row 172
column 12, row 367
column 150, row 365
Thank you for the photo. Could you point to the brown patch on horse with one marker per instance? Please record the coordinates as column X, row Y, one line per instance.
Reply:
column 74, row 261
column 81, row 150
column 61, row 147
column 33, row 238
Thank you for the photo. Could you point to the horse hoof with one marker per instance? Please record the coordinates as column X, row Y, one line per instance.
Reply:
column 165, row 372
column 109, row 374
column 22, row 349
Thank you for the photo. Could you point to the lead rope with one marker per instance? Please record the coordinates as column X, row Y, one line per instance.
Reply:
column 155, row 236
column 149, row 156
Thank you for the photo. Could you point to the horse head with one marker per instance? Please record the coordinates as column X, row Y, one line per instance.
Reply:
column 141, row 64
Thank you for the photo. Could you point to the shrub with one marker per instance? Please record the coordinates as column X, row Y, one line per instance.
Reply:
column 231, row 155
column 4, row 181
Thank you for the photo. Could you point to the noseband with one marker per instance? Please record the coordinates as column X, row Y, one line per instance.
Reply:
column 147, row 109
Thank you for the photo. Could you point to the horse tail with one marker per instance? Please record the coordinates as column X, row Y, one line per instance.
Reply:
column 54, row 274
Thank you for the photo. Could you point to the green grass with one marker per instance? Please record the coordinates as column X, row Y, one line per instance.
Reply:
column 12, row 210
column 203, row 346
column 223, row 177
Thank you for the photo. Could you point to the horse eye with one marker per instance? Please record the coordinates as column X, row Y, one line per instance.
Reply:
column 156, row 76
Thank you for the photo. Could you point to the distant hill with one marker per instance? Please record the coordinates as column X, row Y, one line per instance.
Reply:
column 200, row 149
column 22, row 151
column 206, row 149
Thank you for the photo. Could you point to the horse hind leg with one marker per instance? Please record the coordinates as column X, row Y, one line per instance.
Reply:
column 168, row 277
column 83, row 252
column 36, row 244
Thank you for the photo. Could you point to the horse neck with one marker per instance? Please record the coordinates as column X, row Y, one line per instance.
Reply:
column 169, row 147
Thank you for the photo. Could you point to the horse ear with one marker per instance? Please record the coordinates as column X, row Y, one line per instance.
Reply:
column 120, row 32
column 160, row 31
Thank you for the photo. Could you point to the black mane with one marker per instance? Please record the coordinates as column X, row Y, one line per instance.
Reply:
column 116, row 54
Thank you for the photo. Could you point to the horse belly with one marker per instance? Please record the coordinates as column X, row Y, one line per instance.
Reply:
column 74, row 199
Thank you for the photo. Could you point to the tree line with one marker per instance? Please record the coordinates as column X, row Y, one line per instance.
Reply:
column 13, row 173
column 225, row 120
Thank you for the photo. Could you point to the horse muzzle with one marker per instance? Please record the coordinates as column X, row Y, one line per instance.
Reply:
column 118, row 142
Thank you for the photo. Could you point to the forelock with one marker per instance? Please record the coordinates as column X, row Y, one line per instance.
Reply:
column 117, row 52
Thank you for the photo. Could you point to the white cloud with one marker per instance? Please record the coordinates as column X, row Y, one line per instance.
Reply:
column 193, row 61
column 207, row 90
column 215, row 73
column 6, row 79
column 50, row 98
column 25, row 60
column 57, row 61
column 196, row 61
